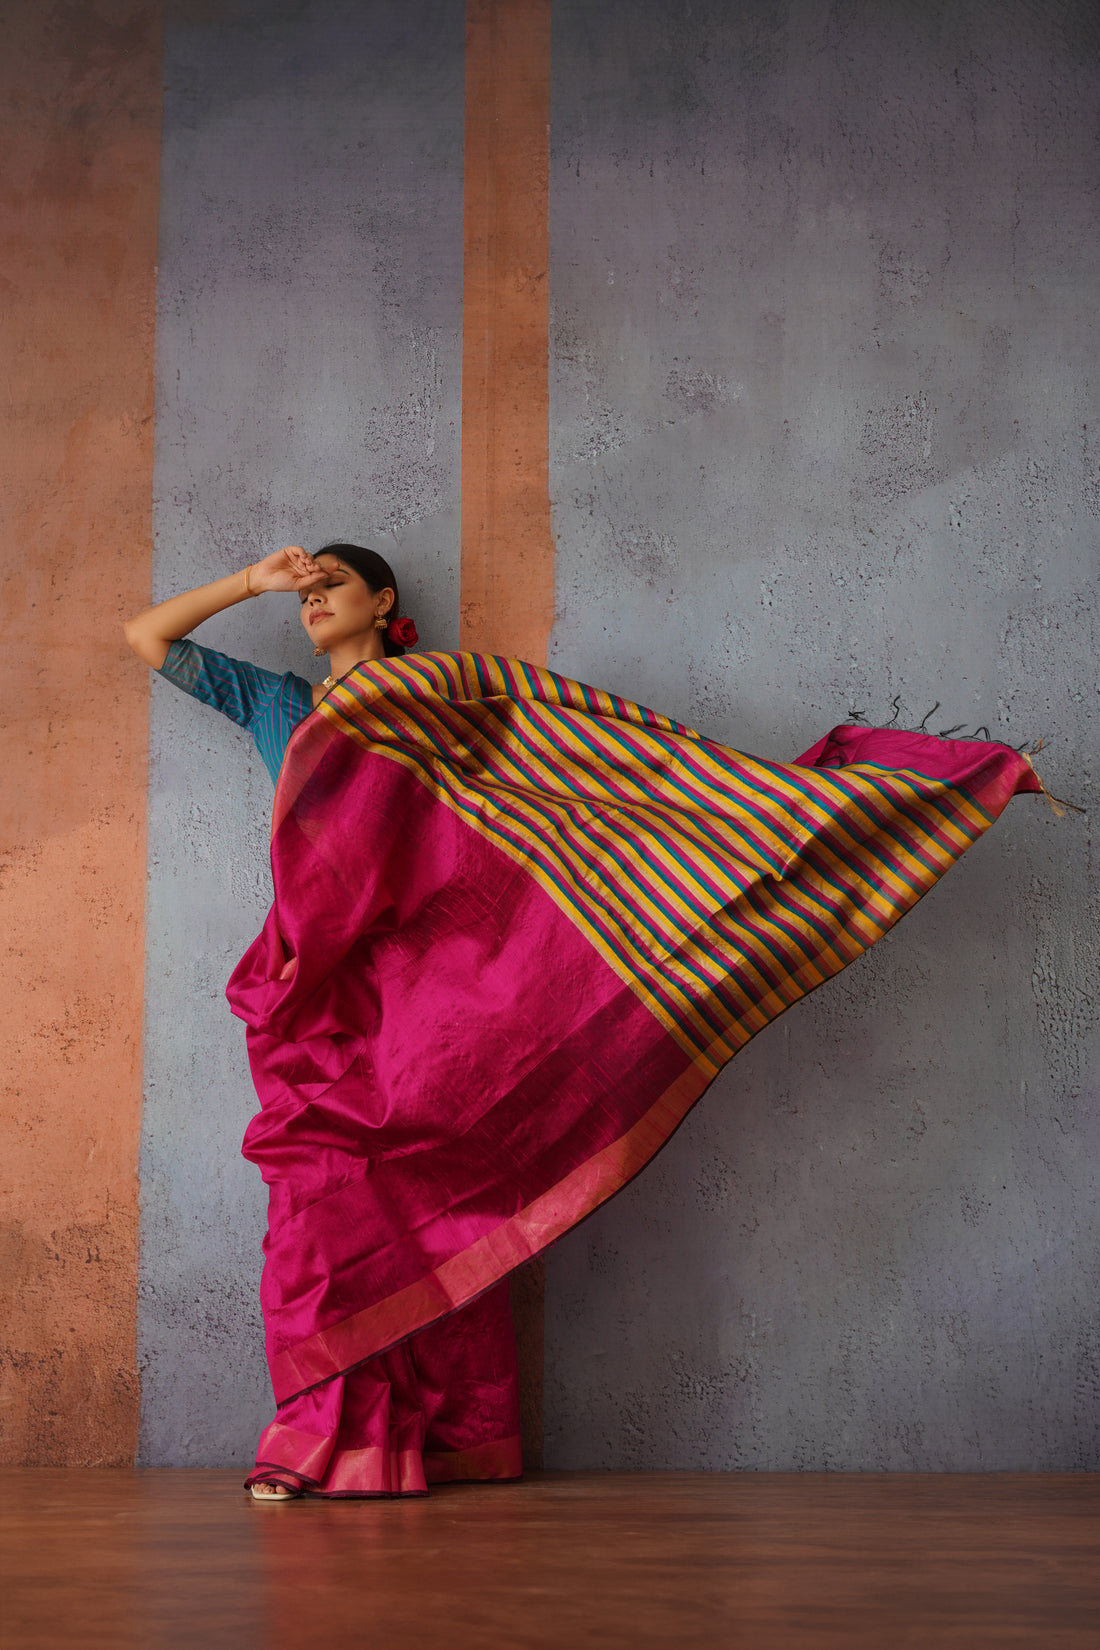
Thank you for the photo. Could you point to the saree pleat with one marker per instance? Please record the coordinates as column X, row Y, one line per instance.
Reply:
column 442, row 1405
column 519, row 926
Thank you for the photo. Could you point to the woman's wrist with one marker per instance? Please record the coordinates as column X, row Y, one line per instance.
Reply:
column 247, row 576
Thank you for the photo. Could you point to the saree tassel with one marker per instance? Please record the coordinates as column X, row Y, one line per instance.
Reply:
column 1057, row 806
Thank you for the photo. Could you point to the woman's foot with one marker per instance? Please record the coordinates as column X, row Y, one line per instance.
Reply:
column 272, row 1490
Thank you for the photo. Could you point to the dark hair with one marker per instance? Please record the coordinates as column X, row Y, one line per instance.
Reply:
column 376, row 573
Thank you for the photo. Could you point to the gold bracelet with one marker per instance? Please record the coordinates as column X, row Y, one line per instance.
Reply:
column 248, row 590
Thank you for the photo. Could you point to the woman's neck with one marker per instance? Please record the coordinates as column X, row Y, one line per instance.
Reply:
column 344, row 656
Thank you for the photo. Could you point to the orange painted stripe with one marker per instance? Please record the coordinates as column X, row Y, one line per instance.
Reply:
column 507, row 574
column 80, row 132
column 507, row 588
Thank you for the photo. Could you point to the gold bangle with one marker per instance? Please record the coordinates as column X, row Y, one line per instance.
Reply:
column 248, row 590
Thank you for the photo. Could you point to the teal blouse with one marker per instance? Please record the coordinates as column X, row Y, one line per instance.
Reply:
column 269, row 706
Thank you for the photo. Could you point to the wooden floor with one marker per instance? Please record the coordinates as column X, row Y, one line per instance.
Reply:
column 159, row 1558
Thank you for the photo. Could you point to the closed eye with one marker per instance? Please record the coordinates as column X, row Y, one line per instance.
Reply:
column 325, row 584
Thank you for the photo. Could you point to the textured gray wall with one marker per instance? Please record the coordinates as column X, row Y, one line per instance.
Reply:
column 308, row 388
column 824, row 432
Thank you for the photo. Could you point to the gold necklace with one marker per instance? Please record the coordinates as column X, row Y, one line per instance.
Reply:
column 331, row 681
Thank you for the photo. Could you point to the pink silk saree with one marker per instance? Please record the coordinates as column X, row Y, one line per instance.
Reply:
column 519, row 926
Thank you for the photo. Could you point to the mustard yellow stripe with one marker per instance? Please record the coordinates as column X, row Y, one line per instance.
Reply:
column 646, row 789
column 856, row 867
column 653, row 786
column 831, row 801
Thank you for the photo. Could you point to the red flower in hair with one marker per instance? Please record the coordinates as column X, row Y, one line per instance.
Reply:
column 403, row 632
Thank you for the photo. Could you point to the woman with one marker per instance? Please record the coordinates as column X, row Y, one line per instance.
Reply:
column 519, row 926
column 379, row 1430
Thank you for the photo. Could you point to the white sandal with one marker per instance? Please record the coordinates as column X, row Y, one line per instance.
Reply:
column 276, row 1484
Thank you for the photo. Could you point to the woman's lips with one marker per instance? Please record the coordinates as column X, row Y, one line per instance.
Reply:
column 321, row 613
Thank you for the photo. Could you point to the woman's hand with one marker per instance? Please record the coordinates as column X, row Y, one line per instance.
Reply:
column 152, row 633
column 291, row 569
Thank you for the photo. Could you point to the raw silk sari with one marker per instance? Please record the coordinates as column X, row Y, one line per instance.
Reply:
column 519, row 926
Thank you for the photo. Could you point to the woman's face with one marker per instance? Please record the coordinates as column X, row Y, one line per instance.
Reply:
column 341, row 606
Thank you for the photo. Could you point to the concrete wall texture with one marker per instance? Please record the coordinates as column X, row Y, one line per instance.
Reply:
column 823, row 438
column 823, row 427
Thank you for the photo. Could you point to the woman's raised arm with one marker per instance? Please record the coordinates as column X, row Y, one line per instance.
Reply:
column 152, row 633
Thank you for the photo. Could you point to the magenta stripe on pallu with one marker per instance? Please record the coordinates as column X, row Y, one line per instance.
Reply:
column 619, row 858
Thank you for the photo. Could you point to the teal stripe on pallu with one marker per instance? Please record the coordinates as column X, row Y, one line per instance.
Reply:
column 881, row 823
column 811, row 921
column 948, row 812
column 769, row 861
column 583, row 908
column 795, row 941
column 837, row 827
column 609, row 826
column 848, row 785
column 912, row 846
column 516, row 704
column 622, row 737
column 839, row 782
column 763, row 853
column 696, row 828
column 483, row 679
column 509, row 680
column 898, row 776
column 550, row 863
column 570, row 695
column 812, row 821
column 555, row 870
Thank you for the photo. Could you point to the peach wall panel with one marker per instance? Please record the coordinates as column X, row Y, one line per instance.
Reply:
column 80, row 101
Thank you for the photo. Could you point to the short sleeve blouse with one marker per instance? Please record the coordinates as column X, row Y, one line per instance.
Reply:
column 269, row 706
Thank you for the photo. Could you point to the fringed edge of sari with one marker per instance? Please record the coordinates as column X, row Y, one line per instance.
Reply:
column 1058, row 805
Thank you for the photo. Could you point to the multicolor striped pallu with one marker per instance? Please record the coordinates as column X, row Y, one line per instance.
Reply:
column 519, row 925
